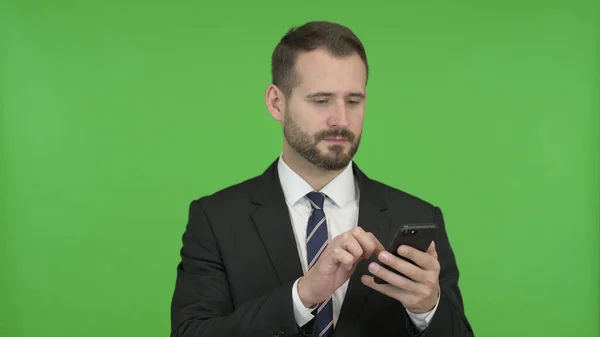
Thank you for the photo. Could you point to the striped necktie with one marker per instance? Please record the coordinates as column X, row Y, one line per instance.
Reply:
column 316, row 242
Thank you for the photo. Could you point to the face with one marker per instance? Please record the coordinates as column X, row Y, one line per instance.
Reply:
column 323, row 118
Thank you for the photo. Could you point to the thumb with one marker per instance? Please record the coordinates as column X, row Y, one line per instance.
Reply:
column 431, row 250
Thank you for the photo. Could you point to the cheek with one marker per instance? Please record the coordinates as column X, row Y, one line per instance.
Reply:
column 357, row 122
column 309, row 119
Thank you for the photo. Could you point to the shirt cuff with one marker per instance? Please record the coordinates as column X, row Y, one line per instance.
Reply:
column 302, row 314
column 421, row 321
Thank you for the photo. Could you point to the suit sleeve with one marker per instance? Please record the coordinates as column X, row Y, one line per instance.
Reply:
column 449, row 319
column 202, row 304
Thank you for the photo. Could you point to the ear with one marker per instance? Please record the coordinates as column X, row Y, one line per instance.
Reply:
column 275, row 101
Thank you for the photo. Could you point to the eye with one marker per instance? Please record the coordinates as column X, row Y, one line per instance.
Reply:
column 353, row 102
column 320, row 101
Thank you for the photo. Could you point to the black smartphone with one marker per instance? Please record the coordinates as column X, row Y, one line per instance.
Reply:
column 418, row 236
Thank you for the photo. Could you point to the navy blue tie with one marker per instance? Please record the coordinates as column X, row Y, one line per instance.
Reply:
column 316, row 242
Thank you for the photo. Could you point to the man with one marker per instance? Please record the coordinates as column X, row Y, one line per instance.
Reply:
column 293, row 252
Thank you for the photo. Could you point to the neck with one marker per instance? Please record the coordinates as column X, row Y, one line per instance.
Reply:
column 315, row 176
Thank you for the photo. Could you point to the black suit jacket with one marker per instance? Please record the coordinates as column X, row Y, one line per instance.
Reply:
column 239, row 261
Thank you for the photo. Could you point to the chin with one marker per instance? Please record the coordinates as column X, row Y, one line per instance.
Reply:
column 336, row 154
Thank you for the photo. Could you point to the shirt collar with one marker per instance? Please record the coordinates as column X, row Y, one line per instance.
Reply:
column 341, row 190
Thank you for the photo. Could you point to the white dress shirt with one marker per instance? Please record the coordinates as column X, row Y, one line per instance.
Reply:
column 341, row 211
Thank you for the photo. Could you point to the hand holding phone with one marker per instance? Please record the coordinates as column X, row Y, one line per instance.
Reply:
column 420, row 292
column 418, row 236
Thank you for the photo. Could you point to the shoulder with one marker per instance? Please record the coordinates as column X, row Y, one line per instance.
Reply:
column 391, row 195
column 399, row 199
column 407, row 207
column 231, row 196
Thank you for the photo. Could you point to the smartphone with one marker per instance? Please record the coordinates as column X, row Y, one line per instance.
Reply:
column 418, row 236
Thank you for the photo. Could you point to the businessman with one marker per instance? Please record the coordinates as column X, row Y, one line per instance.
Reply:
column 294, row 251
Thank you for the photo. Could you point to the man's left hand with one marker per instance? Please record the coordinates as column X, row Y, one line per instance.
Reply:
column 418, row 295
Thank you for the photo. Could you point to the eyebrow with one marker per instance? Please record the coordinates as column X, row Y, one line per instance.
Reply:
column 329, row 94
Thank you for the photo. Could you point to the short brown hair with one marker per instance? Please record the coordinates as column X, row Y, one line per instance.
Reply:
column 338, row 40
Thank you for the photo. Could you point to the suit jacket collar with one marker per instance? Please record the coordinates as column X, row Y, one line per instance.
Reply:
column 272, row 221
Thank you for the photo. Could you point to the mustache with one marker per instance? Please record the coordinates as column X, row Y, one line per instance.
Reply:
column 343, row 133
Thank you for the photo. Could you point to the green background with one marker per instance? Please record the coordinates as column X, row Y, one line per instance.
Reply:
column 116, row 114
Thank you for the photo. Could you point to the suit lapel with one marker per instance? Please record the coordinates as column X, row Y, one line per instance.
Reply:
column 372, row 218
column 272, row 221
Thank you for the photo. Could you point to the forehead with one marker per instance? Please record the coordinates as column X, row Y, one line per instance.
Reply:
column 320, row 71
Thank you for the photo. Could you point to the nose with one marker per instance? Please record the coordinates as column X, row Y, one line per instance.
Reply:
column 339, row 116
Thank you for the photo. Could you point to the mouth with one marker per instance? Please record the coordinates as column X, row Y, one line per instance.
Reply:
column 336, row 140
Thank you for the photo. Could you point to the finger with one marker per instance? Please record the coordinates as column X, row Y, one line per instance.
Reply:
column 411, row 301
column 379, row 247
column 350, row 244
column 393, row 279
column 410, row 270
column 422, row 259
column 342, row 256
column 387, row 289
column 369, row 243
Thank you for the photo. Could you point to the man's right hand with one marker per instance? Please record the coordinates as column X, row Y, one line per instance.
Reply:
column 336, row 264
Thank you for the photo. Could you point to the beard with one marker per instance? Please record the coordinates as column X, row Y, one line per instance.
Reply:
column 306, row 145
